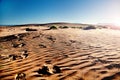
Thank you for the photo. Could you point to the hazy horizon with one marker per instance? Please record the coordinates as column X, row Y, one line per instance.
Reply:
column 14, row 12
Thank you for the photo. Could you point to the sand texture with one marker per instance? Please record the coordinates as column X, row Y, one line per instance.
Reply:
column 80, row 54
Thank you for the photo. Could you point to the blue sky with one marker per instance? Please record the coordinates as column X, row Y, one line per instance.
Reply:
column 45, row 11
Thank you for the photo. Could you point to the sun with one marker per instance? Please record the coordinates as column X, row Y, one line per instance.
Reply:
column 117, row 23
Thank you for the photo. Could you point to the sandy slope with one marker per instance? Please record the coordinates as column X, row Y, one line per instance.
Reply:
column 81, row 54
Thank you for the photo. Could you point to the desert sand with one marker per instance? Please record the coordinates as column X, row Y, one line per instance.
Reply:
column 80, row 54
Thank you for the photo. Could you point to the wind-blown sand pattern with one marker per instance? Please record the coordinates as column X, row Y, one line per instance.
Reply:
column 80, row 54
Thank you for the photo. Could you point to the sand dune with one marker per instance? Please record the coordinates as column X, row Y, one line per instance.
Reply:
column 80, row 54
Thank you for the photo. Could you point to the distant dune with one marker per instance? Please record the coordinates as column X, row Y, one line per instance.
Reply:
column 113, row 27
column 65, row 24
column 110, row 26
column 56, row 24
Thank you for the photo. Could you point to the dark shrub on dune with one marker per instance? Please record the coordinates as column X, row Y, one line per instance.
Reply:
column 80, row 27
column 89, row 27
column 0, row 30
column 30, row 29
column 53, row 27
column 63, row 27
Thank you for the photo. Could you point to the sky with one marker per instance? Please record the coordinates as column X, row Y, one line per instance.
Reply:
column 45, row 11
